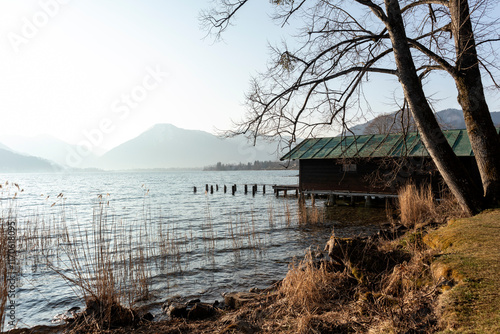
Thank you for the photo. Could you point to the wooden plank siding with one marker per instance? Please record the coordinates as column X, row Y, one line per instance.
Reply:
column 329, row 175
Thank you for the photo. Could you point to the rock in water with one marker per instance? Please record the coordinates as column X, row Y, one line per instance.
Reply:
column 177, row 311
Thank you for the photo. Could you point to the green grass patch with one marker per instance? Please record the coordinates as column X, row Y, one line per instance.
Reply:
column 471, row 257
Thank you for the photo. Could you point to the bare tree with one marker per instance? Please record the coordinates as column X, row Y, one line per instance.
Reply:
column 459, row 57
column 480, row 128
column 343, row 44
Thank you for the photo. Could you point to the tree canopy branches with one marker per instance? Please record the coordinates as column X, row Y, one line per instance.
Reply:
column 339, row 47
column 316, row 80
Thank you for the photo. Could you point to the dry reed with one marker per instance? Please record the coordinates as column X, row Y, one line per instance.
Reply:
column 416, row 205
column 311, row 216
column 244, row 236
column 107, row 263
column 308, row 286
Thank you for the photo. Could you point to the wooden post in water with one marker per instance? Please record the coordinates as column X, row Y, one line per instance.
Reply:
column 225, row 189
column 206, row 188
column 264, row 189
column 313, row 200
column 233, row 189
column 254, row 190
column 216, row 187
column 302, row 199
column 331, row 200
column 368, row 202
column 246, row 189
column 194, row 190
column 211, row 189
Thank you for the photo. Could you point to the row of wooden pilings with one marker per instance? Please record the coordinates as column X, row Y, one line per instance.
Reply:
column 293, row 190
column 234, row 188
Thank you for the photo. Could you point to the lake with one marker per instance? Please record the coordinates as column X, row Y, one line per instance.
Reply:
column 162, row 238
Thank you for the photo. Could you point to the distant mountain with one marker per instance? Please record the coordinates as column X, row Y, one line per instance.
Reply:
column 448, row 118
column 454, row 118
column 50, row 148
column 162, row 146
column 166, row 146
column 14, row 162
column 3, row 147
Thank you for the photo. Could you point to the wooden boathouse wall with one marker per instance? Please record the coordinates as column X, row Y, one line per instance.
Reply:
column 363, row 176
column 348, row 164
column 331, row 175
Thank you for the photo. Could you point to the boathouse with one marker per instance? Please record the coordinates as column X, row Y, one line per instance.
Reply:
column 373, row 164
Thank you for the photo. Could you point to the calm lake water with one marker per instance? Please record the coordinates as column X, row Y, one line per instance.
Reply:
column 215, row 242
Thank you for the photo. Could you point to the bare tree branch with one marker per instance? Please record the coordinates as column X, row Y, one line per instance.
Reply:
column 220, row 19
column 439, row 60
column 377, row 10
column 424, row 2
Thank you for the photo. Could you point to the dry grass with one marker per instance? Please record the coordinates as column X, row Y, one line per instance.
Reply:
column 448, row 208
column 416, row 205
column 371, row 286
column 308, row 286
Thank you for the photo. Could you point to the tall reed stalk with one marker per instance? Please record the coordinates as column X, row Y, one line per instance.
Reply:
column 108, row 263
column 310, row 216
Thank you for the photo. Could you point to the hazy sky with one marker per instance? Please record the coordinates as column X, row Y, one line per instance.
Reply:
column 70, row 68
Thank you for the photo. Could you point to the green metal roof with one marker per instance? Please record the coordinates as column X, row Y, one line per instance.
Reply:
column 375, row 146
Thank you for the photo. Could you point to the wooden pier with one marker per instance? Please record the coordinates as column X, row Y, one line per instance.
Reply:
column 351, row 198
column 286, row 189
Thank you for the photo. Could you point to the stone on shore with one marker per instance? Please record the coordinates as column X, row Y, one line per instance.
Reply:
column 201, row 311
column 192, row 310
column 237, row 299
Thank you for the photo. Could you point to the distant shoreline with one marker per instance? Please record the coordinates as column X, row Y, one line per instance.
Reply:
column 256, row 165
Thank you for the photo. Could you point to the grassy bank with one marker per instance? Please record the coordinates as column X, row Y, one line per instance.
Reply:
column 470, row 258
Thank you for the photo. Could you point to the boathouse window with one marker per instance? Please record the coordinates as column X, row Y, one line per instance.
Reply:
column 350, row 168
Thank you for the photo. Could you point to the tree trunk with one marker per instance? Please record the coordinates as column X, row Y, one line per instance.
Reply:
column 482, row 134
column 448, row 164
